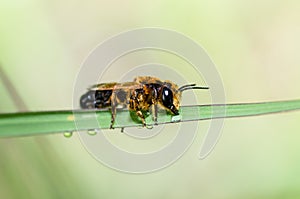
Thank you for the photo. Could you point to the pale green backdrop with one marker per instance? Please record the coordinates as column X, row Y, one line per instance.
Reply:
column 255, row 46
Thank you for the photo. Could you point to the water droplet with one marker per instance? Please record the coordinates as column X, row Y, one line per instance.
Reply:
column 92, row 132
column 149, row 126
column 68, row 134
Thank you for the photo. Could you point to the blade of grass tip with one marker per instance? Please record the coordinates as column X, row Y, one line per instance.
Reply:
column 39, row 123
column 255, row 109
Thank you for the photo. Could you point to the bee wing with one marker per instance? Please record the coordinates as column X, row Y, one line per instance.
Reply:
column 129, row 86
column 103, row 86
column 115, row 86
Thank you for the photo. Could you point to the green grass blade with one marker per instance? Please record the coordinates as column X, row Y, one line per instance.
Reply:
column 39, row 123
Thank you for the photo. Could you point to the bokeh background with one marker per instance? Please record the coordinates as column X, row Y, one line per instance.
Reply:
column 255, row 46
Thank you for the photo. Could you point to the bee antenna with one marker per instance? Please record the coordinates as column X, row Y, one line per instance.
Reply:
column 184, row 86
column 193, row 87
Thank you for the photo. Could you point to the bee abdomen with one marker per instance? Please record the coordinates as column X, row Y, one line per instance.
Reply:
column 103, row 98
column 87, row 100
column 122, row 96
column 96, row 99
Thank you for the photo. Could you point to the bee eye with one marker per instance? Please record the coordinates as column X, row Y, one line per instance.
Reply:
column 167, row 97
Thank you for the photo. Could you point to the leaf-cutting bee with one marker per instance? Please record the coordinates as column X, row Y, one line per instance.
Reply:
column 138, row 96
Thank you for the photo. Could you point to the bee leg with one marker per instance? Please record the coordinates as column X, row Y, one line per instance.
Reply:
column 133, row 106
column 122, row 130
column 113, row 115
column 113, row 110
column 140, row 114
column 154, row 113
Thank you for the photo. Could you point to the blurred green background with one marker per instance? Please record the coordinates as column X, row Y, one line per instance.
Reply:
column 255, row 46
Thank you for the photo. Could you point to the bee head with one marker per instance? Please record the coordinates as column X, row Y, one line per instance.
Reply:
column 171, row 95
column 167, row 98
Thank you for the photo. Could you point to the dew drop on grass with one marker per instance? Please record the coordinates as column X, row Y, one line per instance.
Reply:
column 92, row 132
column 68, row 134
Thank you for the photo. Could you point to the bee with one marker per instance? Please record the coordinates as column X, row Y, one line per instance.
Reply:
column 139, row 96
